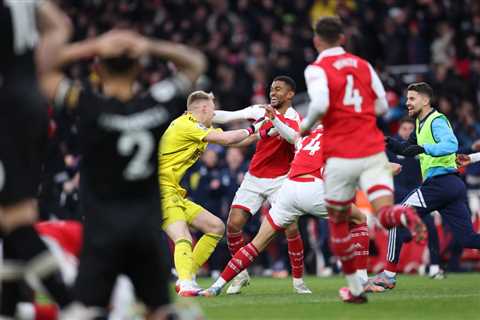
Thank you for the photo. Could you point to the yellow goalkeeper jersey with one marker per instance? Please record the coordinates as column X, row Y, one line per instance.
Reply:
column 180, row 147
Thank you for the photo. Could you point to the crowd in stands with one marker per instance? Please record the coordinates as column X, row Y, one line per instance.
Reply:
column 248, row 42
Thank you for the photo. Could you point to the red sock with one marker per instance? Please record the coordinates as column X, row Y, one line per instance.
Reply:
column 46, row 312
column 391, row 266
column 361, row 241
column 234, row 241
column 239, row 262
column 342, row 245
column 391, row 216
column 295, row 253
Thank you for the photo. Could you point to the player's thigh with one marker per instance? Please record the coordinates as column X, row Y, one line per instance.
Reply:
column 283, row 211
column 204, row 220
column 376, row 178
column 273, row 187
column 310, row 198
column 250, row 196
column 173, row 208
column 193, row 211
column 341, row 180
column 147, row 267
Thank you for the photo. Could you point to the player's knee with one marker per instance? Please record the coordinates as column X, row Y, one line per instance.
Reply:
column 236, row 220
column 291, row 231
column 217, row 226
column 356, row 216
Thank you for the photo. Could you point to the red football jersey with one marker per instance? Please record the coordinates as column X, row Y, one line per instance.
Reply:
column 309, row 156
column 350, row 122
column 273, row 155
column 68, row 234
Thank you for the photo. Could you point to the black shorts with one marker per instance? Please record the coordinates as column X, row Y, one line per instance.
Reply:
column 23, row 143
column 123, row 238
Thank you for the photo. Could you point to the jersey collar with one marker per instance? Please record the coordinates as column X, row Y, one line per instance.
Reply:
column 334, row 51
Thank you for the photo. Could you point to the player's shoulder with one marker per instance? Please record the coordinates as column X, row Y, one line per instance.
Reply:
column 188, row 123
column 292, row 114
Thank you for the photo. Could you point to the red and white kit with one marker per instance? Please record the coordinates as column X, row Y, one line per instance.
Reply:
column 301, row 195
column 268, row 168
column 346, row 90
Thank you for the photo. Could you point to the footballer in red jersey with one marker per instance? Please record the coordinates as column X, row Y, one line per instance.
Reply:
column 346, row 93
column 302, row 193
column 268, row 169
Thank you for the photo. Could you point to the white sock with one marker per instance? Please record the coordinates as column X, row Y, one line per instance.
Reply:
column 297, row 281
column 390, row 273
column 186, row 283
column 362, row 275
column 434, row 269
column 354, row 284
column 219, row 283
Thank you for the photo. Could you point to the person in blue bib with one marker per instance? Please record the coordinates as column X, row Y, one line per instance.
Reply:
column 442, row 190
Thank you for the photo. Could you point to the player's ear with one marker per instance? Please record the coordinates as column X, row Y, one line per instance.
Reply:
column 316, row 41
column 290, row 94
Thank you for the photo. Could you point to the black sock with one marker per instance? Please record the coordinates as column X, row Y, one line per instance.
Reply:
column 27, row 246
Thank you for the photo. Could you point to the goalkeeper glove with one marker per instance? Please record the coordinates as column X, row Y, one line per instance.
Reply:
column 255, row 127
column 413, row 150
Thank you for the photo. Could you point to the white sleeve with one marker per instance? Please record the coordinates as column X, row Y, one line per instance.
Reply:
column 254, row 112
column 287, row 133
column 474, row 157
column 317, row 86
column 381, row 104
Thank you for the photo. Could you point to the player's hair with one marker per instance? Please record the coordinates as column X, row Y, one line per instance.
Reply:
column 119, row 65
column 421, row 87
column 330, row 29
column 289, row 81
column 198, row 95
column 407, row 120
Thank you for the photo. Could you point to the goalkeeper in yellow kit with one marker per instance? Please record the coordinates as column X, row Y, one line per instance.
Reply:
column 180, row 147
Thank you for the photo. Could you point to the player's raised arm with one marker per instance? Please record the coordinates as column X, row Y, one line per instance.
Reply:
column 381, row 104
column 233, row 137
column 56, row 86
column 189, row 61
column 55, row 29
column 254, row 112
column 317, row 87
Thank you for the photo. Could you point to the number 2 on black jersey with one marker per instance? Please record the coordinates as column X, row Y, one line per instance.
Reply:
column 139, row 166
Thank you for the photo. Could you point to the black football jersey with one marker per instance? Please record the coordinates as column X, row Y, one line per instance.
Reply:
column 119, row 140
column 19, row 36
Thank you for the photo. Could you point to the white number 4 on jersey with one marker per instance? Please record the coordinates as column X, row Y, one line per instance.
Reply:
column 352, row 96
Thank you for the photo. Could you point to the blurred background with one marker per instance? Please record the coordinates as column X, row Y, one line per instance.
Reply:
column 248, row 43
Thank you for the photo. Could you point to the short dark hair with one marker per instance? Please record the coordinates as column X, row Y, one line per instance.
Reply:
column 289, row 81
column 421, row 87
column 329, row 29
column 407, row 120
column 119, row 65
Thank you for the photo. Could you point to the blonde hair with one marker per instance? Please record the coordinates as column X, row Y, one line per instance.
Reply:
column 197, row 96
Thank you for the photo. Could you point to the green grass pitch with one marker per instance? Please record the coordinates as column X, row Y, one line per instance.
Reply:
column 457, row 298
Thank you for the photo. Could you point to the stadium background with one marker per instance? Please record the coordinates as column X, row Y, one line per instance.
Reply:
column 248, row 43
